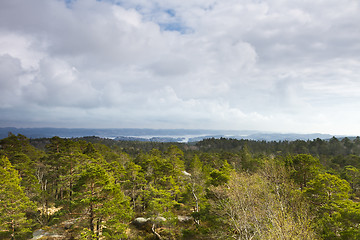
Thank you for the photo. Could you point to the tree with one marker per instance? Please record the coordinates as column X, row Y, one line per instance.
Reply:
column 352, row 175
column 249, row 208
column 335, row 147
column 14, row 203
column 165, row 185
column 24, row 158
column 56, row 175
column 134, row 183
column 101, row 201
column 248, row 163
column 222, row 176
column 337, row 217
column 304, row 167
column 160, row 205
column 326, row 188
column 196, row 186
column 116, row 212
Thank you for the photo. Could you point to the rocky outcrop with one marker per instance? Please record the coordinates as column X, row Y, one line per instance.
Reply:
column 140, row 222
column 47, row 234
column 185, row 219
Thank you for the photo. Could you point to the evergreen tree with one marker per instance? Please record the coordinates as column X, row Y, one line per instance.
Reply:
column 101, row 201
column 304, row 168
column 134, row 183
column 196, row 187
column 337, row 217
column 14, row 203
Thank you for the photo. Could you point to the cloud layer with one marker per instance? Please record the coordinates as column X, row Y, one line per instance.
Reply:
column 231, row 64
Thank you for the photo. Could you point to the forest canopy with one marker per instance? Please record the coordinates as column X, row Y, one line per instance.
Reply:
column 94, row 188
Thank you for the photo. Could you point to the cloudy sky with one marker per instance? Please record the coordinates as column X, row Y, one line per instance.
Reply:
column 276, row 65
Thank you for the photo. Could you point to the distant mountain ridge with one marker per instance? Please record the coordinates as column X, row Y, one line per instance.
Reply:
column 159, row 135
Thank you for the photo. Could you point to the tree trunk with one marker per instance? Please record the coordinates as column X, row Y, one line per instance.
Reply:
column 154, row 232
column 13, row 229
column 98, row 228
column 70, row 186
column 197, row 221
column 91, row 221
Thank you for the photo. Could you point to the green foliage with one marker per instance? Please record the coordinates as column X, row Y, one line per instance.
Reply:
column 352, row 175
column 102, row 202
column 337, row 216
column 218, row 178
column 340, row 221
column 14, row 203
column 248, row 163
column 133, row 183
column 303, row 168
column 325, row 189
column 116, row 212
column 101, row 189
column 253, row 207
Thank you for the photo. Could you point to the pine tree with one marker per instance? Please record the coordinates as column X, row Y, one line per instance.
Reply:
column 101, row 201
column 14, row 203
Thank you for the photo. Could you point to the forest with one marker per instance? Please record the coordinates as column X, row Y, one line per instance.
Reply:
column 95, row 188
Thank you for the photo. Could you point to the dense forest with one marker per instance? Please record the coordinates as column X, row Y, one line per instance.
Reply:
column 94, row 188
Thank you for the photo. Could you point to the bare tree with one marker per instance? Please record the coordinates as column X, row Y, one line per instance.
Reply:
column 255, row 206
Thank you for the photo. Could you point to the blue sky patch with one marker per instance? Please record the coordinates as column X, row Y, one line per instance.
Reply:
column 68, row 3
column 171, row 12
column 175, row 26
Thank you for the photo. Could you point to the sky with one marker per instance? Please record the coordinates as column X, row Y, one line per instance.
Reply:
column 278, row 66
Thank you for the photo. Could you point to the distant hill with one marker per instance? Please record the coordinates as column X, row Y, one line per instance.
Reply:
column 158, row 135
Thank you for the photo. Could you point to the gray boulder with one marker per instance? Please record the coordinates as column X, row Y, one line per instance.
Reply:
column 141, row 222
column 184, row 219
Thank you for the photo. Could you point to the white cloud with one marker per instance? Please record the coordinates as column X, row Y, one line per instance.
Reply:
column 217, row 64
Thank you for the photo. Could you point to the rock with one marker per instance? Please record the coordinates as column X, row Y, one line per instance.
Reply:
column 40, row 233
column 184, row 218
column 68, row 224
column 140, row 221
column 160, row 219
column 145, row 223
